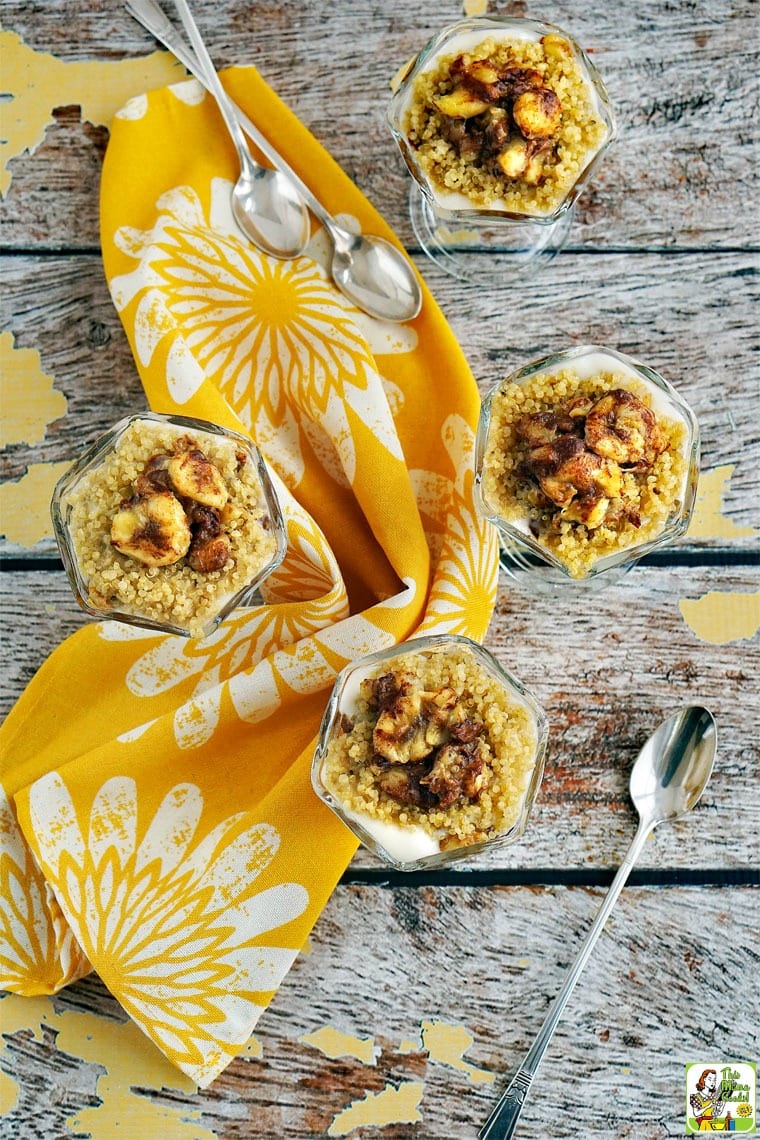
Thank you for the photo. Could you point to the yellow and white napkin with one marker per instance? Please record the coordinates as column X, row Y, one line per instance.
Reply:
column 158, row 823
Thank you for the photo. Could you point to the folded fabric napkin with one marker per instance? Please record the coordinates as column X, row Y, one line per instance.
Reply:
column 158, row 822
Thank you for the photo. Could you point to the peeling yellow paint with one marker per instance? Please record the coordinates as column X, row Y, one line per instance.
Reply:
column 390, row 1106
column 475, row 7
column 27, row 398
column 409, row 1047
column 253, row 1049
column 708, row 520
column 38, row 82
column 25, row 504
column 128, row 1060
column 722, row 617
column 9, row 1091
column 447, row 1044
column 334, row 1043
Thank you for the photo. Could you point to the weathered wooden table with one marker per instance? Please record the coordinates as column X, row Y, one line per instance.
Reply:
column 418, row 995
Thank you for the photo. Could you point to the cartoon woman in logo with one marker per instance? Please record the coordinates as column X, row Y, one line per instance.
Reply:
column 707, row 1104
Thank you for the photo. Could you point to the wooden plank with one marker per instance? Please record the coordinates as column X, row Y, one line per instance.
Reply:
column 680, row 175
column 605, row 684
column 639, row 304
column 666, row 984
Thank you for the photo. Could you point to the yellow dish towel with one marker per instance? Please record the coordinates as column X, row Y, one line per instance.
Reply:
column 158, row 823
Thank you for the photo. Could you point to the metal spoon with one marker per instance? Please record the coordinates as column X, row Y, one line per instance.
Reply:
column 667, row 779
column 374, row 274
column 265, row 203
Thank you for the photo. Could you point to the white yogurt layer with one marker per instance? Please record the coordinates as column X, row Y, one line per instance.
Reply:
column 466, row 42
column 405, row 844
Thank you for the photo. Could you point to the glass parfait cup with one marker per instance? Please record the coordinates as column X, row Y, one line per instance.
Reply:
column 523, row 555
column 81, row 528
column 408, row 847
column 450, row 226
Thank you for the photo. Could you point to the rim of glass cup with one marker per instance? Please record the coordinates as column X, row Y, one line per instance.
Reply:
column 397, row 109
column 336, row 707
column 94, row 456
column 675, row 525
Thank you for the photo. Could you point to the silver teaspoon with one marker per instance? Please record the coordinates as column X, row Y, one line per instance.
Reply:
column 371, row 272
column 265, row 203
column 667, row 779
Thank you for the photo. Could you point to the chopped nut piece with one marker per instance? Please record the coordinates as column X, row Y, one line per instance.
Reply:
column 155, row 476
column 537, row 113
column 152, row 529
column 622, row 428
column 194, row 477
column 213, row 554
column 456, row 772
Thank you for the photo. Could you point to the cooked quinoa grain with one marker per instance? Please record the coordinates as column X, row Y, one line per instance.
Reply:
column 176, row 594
column 640, row 491
column 526, row 150
column 434, row 742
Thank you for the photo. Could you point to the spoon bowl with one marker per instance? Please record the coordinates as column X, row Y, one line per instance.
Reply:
column 372, row 273
column 668, row 778
column 674, row 765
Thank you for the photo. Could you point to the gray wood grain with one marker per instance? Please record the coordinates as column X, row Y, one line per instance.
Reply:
column 605, row 683
column 679, row 176
column 666, row 984
column 688, row 317
column 661, row 263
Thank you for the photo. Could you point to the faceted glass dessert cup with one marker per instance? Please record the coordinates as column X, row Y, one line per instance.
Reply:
column 523, row 554
column 82, row 480
column 407, row 846
column 448, row 224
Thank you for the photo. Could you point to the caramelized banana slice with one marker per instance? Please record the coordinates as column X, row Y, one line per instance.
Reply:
column 587, row 509
column 152, row 529
column 537, row 113
column 622, row 428
column 513, row 159
column 460, row 104
column 195, row 477
column 556, row 47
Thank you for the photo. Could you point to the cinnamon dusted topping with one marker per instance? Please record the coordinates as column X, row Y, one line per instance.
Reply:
column 577, row 454
column 426, row 748
column 500, row 115
column 175, row 511
column 151, row 528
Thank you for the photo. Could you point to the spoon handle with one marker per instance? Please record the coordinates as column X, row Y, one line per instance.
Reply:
column 154, row 20
column 213, row 84
column 502, row 1122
